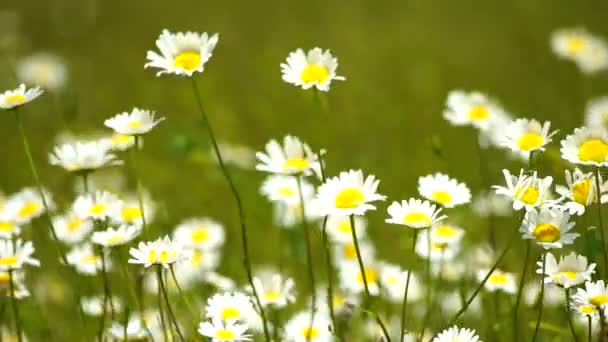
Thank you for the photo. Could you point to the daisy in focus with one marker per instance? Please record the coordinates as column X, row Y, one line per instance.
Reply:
column 45, row 69
column 441, row 189
column 548, row 227
column 162, row 251
column 315, row 68
column 580, row 191
column 473, row 109
column 13, row 98
column 570, row 271
column 15, row 254
column 527, row 191
column 455, row 334
column 137, row 122
column 524, row 136
column 594, row 294
column 220, row 331
column 84, row 157
column 348, row 194
column 293, row 157
column 181, row 53
column 498, row 281
column 414, row 213
column 586, row 146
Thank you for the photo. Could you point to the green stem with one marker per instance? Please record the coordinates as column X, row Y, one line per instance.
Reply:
column 85, row 182
column 353, row 230
column 330, row 281
column 181, row 293
column 159, row 297
column 239, row 204
column 106, row 295
column 542, row 299
column 407, row 287
column 140, row 196
column 520, row 292
column 568, row 315
column 429, row 287
column 600, row 219
column 15, row 305
column 589, row 328
column 161, row 284
column 126, row 324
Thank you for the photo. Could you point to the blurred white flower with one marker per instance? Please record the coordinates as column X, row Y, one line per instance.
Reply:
column 84, row 156
column 45, row 69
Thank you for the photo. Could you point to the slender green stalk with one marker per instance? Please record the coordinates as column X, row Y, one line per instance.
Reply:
column 542, row 299
column 181, row 293
column 163, row 323
column 15, row 306
column 311, row 274
column 589, row 328
column 407, row 287
column 353, row 230
column 602, row 324
column 520, row 288
column 600, row 219
column 140, row 196
column 429, row 287
column 126, row 325
column 568, row 315
column 85, row 182
column 161, row 284
column 240, row 209
column 106, row 295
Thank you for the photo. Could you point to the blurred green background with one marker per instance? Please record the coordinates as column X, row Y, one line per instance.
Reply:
column 400, row 58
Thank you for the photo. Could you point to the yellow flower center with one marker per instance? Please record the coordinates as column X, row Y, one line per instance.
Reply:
column 131, row 214
column 338, row 301
column 116, row 239
column 349, row 198
column 230, row 312
column 164, row 257
column 152, row 256
column 442, row 197
column 135, row 123
column 121, row 139
column 74, row 224
column 370, row 275
column 10, row 260
column 599, row 300
column 315, row 73
column 225, row 334
column 272, row 295
column 5, row 278
column 344, row 226
column 296, row 163
column 6, row 227
column 498, row 279
column 530, row 141
column 287, row 192
column 187, row 60
column 439, row 246
column 28, row 209
column 200, row 235
column 587, row 309
column 349, row 251
column 15, row 99
column 595, row 150
column 528, row 195
column 89, row 259
column 580, row 191
column 97, row 209
column 416, row 217
column 197, row 258
column 479, row 113
column 568, row 274
column 391, row 280
column 310, row 332
column 575, row 44
column 445, row 231
column 546, row 232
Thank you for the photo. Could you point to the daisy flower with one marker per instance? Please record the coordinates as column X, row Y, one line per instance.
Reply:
column 590, row 53
column 219, row 331
column 488, row 203
column 457, row 334
column 339, row 228
column 584, row 309
column 472, row 108
column 498, row 281
column 137, row 122
column 316, row 68
column 47, row 70
column 553, row 296
column 130, row 211
column 446, row 233
column 163, row 251
column 15, row 254
column 83, row 157
column 442, row 189
column 580, row 191
column 300, row 328
column 594, row 293
column 414, row 213
column 527, row 191
column 281, row 188
column 524, row 136
column 287, row 215
column 199, row 233
column 20, row 96
column 181, row 53
column 84, row 260
column 116, row 237
column 8, row 228
column 99, row 206
column 440, row 250
column 587, row 146
column 596, row 113
column 93, row 306
column 219, row 281
column 196, row 266
column 228, row 306
column 351, row 278
column 293, row 157
column 548, row 227
column 273, row 289
column 19, row 289
column 22, row 207
column 393, row 279
column 570, row 271
column 135, row 331
column 348, row 194
column 70, row 228
column 121, row 142
column 347, row 252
